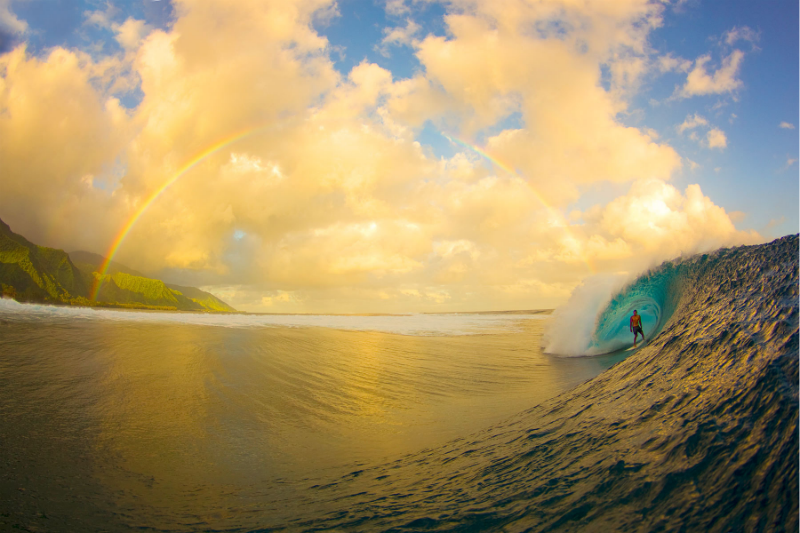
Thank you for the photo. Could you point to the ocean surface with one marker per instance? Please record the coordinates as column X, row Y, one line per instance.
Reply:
column 146, row 421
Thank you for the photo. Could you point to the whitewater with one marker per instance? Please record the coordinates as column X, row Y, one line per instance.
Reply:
column 123, row 421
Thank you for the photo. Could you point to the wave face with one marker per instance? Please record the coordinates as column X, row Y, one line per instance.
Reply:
column 596, row 320
column 697, row 431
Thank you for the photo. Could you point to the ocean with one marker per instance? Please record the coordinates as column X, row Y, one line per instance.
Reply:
column 528, row 421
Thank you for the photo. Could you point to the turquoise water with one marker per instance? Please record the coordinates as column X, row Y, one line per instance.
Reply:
column 176, row 422
column 654, row 296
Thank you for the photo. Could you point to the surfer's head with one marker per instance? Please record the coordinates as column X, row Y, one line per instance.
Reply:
column 634, row 311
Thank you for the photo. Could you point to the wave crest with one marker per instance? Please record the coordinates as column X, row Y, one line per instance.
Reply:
column 596, row 318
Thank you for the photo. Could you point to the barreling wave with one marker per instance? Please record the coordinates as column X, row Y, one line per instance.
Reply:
column 697, row 431
column 654, row 295
column 596, row 319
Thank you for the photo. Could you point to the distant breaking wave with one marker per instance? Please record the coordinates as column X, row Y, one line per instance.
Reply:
column 411, row 324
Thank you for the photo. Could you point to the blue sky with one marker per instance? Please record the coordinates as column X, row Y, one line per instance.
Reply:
column 752, row 172
column 693, row 137
column 751, row 176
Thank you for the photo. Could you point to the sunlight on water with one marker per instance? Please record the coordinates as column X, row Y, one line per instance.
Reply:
column 170, row 412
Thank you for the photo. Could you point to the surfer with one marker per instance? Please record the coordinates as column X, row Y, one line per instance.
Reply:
column 636, row 327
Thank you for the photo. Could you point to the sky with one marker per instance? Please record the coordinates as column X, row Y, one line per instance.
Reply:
column 394, row 156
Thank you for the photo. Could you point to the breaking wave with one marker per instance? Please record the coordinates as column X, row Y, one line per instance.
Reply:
column 596, row 319
column 696, row 431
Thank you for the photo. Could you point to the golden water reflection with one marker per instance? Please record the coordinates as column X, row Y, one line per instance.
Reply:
column 190, row 413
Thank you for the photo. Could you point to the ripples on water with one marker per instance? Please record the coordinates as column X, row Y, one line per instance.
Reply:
column 139, row 424
column 125, row 419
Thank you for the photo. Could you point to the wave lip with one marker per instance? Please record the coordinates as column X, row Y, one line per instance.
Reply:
column 602, row 308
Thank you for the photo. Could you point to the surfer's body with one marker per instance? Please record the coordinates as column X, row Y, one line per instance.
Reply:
column 636, row 327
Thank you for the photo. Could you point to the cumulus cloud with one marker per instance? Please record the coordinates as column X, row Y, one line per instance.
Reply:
column 786, row 125
column 11, row 27
column 724, row 80
column 691, row 122
column 715, row 138
column 396, row 7
column 743, row 33
column 670, row 63
column 330, row 203
column 60, row 140
column 398, row 36
column 659, row 222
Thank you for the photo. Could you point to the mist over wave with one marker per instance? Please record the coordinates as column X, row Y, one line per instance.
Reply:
column 412, row 324
column 573, row 325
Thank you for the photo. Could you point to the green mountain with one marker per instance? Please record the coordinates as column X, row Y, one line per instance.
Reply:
column 125, row 285
column 91, row 261
column 35, row 273
column 31, row 273
column 206, row 299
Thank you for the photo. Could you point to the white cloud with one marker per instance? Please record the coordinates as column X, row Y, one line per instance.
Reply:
column 338, row 206
column 8, row 20
column 715, row 138
column 691, row 122
column 102, row 18
column 742, row 33
column 396, row 7
column 398, row 36
column 657, row 219
column 700, row 82
column 670, row 63
column 131, row 33
column 786, row 125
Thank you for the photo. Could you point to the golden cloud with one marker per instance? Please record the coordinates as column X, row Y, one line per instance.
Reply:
column 331, row 204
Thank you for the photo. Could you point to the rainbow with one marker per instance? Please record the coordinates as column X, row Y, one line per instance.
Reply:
column 219, row 145
column 196, row 160
column 563, row 223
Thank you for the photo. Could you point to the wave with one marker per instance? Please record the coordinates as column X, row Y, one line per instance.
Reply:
column 696, row 431
column 596, row 319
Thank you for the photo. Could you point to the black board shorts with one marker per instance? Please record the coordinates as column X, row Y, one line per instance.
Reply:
column 638, row 329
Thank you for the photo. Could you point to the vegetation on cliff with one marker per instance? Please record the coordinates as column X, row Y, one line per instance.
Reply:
column 31, row 273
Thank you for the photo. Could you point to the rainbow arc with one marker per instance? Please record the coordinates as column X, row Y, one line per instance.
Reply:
column 227, row 141
column 562, row 221
column 182, row 171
